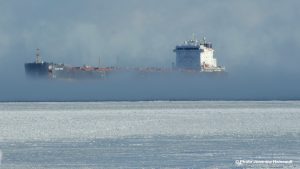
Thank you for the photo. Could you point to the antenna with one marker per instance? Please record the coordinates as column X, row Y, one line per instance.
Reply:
column 37, row 56
column 118, row 61
column 194, row 37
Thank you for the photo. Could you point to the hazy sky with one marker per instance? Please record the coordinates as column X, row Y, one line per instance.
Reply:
column 251, row 36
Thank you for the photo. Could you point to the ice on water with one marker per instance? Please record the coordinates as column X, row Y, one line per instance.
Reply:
column 198, row 134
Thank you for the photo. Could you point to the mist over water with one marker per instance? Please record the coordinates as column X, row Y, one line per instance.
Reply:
column 134, row 87
column 256, row 42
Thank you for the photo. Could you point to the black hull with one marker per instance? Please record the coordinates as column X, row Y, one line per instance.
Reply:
column 37, row 69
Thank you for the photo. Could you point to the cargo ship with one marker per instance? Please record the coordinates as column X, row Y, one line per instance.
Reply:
column 191, row 56
column 37, row 68
column 196, row 55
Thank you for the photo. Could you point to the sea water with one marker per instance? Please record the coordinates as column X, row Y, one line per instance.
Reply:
column 160, row 134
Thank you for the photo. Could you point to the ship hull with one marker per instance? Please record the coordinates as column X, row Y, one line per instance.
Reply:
column 37, row 69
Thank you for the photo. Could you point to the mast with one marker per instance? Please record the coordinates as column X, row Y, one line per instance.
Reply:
column 99, row 62
column 38, row 56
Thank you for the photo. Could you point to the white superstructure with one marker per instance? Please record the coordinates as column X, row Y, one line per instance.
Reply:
column 196, row 55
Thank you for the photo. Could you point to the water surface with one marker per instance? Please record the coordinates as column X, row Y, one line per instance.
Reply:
column 149, row 134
